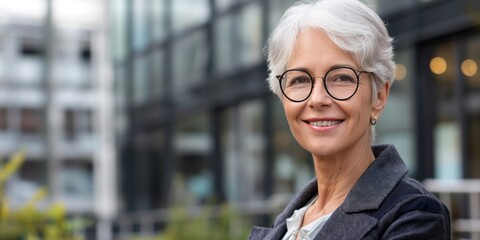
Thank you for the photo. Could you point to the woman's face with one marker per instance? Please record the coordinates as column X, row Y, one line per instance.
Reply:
column 320, row 124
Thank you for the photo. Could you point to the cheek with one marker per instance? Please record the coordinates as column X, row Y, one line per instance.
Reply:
column 361, row 106
column 288, row 111
column 291, row 111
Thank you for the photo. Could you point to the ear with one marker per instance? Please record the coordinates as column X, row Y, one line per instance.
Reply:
column 381, row 100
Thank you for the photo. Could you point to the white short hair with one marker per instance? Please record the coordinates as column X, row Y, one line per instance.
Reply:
column 350, row 24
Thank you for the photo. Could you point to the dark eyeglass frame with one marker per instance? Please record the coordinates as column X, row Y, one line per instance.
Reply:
column 356, row 71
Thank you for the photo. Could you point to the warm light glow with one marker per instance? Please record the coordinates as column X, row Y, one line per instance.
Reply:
column 438, row 65
column 400, row 72
column 469, row 67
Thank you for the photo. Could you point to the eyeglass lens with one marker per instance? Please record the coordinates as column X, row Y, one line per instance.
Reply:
column 340, row 83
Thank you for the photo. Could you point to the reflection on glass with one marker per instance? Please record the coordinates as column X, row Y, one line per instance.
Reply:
column 77, row 185
column 28, row 69
column 189, row 60
column 192, row 146
column 251, row 35
column 140, row 81
column 223, row 4
column 473, row 139
column 158, row 28
column 188, row 13
column 139, row 25
column 276, row 11
column 445, row 70
column 446, row 130
column 471, row 66
column 242, row 148
column 158, row 72
column 473, row 105
column 293, row 164
column 120, row 101
column 224, row 45
column 396, row 125
column 447, row 151
column 239, row 39
column 119, row 29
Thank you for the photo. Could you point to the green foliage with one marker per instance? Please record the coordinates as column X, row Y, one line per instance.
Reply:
column 29, row 222
column 211, row 224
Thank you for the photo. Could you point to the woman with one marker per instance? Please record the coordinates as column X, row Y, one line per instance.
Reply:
column 331, row 65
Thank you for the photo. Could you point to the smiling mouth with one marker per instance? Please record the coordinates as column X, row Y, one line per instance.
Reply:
column 324, row 123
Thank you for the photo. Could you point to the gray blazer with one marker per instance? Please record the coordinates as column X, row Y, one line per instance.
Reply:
column 383, row 204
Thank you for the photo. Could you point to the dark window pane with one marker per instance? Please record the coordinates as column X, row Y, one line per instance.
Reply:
column 31, row 121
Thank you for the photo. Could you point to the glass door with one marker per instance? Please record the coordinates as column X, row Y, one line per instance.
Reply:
column 454, row 86
column 446, row 127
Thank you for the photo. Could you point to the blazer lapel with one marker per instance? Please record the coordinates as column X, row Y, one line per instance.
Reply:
column 346, row 226
column 280, row 226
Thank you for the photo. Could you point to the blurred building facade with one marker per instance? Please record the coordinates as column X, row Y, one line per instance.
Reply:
column 197, row 124
column 51, row 90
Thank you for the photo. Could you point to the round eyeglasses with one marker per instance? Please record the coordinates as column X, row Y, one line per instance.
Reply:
column 341, row 83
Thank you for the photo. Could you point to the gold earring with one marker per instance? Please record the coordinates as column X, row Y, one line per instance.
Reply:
column 374, row 120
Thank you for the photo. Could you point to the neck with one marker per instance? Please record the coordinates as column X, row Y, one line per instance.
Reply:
column 336, row 175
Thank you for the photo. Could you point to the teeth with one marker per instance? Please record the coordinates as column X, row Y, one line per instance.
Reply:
column 324, row 123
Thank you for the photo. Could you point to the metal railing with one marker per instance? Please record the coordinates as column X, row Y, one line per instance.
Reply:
column 462, row 198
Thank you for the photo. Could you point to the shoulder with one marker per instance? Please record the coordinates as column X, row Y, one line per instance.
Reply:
column 411, row 211
column 409, row 195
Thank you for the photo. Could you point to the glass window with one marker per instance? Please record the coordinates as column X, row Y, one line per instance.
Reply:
column 189, row 60
column 140, row 24
column 158, row 27
column 239, row 39
column 470, row 67
column 120, row 101
column 395, row 126
column 473, row 140
column 119, row 29
column 251, row 35
column 3, row 119
column 72, row 69
column 140, row 80
column 77, row 183
column 31, row 121
column 34, row 170
column 192, row 149
column 242, row 147
column 29, row 67
column 277, row 10
column 158, row 80
column 293, row 164
column 222, row 5
column 188, row 13
column 447, row 151
column 69, row 123
column 77, row 122
column 224, row 45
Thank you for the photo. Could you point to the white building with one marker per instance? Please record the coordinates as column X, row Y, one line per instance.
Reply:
column 55, row 102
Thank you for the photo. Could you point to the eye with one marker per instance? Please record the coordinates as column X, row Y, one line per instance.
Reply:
column 297, row 79
column 342, row 79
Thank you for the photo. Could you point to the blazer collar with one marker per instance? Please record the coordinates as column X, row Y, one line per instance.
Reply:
column 379, row 178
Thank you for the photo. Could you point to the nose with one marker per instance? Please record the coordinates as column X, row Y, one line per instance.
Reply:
column 319, row 96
